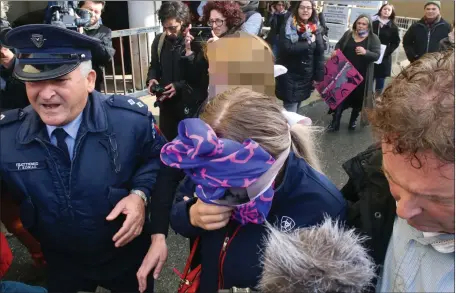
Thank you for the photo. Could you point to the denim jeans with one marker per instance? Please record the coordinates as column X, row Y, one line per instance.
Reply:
column 292, row 106
column 379, row 84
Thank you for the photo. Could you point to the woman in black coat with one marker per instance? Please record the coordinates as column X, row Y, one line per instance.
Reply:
column 279, row 14
column 387, row 31
column 302, row 53
column 362, row 48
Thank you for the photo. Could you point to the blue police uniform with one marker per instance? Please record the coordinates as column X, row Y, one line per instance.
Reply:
column 64, row 200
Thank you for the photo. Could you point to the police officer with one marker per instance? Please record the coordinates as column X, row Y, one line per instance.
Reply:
column 84, row 167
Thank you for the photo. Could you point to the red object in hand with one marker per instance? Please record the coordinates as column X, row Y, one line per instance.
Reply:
column 6, row 256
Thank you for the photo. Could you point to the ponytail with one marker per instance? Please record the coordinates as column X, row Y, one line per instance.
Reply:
column 304, row 144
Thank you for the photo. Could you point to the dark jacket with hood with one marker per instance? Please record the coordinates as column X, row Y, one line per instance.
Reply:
column 371, row 207
column 275, row 22
column 422, row 38
column 12, row 91
column 301, row 200
column 389, row 36
column 104, row 53
column 168, row 70
column 305, row 63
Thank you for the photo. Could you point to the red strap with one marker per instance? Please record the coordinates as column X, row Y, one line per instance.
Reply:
column 190, row 257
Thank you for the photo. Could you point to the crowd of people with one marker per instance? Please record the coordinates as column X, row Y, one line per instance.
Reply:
column 90, row 183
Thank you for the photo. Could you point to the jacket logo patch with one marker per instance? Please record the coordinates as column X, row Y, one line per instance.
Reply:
column 287, row 224
column 26, row 166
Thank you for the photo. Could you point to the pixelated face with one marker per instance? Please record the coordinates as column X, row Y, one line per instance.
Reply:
column 241, row 62
column 61, row 100
column 431, row 11
column 305, row 10
column 95, row 8
column 218, row 23
column 424, row 196
column 386, row 11
column 362, row 24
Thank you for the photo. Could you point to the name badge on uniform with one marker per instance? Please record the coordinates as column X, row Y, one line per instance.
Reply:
column 26, row 166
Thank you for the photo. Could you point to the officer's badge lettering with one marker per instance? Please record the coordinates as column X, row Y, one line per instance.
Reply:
column 38, row 40
column 287, row 224
column 140, row 105
column 2, row 117
column 131, row 102
column 26, row 166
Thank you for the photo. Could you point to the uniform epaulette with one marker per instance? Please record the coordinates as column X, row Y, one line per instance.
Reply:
column 128, row 103
column 11, row 116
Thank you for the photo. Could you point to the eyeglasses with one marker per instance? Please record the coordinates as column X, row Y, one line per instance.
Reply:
column 171, row 29
column 218, row 22
column 305, row 7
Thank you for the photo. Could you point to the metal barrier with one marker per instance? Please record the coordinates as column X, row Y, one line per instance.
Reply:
column 405, row 22
column 138, row 38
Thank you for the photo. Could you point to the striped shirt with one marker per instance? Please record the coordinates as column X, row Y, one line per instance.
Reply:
column 412, row 263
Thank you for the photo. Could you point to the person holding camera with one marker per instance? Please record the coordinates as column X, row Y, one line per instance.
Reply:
column 224, row 18
column 12, row 91
column 165, row 79
column 96, row 30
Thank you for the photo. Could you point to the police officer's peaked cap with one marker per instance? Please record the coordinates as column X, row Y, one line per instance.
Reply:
column 48, row 51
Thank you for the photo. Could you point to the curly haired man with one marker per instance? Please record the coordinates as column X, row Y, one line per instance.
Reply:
column 401, row 191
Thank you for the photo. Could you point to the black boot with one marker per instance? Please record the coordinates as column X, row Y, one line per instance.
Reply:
column 353, row 117
column 335, row 123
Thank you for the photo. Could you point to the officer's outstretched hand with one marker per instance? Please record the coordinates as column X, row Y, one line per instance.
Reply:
column 133, row 207
column 155, row 258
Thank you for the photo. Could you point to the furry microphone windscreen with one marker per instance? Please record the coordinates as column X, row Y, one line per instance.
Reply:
column 325, row 258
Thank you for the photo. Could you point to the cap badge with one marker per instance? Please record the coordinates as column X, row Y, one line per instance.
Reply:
column 38, row 40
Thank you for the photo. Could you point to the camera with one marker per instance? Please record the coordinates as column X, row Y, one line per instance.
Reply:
column 158, row 91
column 66, row 12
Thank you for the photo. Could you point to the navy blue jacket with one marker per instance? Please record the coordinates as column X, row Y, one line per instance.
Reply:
column 301, row 200
column 64, row 205
column 12, row 90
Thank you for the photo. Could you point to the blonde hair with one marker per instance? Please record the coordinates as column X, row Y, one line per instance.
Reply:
column 240, row 113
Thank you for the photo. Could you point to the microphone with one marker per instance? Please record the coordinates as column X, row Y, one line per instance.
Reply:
column 323, row 258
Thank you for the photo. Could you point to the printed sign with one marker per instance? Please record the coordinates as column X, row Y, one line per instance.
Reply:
column 336, row 14
column 341, row 78
column 369, row 4
column 336, row 31
column 356, row 11
column 382, row 53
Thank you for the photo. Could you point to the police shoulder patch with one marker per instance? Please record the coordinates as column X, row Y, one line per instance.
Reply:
column 128, row 103
column 11, row 116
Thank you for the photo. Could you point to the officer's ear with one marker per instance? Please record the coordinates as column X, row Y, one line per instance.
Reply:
column 91, row 78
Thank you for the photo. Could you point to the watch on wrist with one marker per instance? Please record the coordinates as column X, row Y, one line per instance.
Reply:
column 140, row 194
